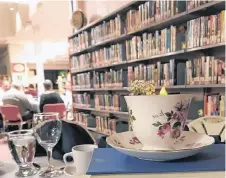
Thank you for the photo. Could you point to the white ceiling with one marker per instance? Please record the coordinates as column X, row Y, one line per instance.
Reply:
column 49, row 26
column 50, row 23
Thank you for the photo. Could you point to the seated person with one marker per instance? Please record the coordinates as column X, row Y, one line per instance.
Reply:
column 14, row 96
column 31, row 91
column 49, row 96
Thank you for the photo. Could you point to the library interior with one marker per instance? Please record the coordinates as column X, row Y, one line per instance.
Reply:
column 112, row 88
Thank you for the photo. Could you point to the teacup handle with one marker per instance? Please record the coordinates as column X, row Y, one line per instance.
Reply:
column 65, row 158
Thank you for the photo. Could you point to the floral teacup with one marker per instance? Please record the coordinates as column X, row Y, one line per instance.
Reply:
column 158, row 121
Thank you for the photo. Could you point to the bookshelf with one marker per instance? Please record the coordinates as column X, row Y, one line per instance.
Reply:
column 92, row 61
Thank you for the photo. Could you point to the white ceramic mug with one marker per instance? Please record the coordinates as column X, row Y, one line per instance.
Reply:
column 158, row 121
column 81, row 155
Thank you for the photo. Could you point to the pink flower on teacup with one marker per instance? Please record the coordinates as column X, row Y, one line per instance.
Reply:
column 175, row 133
column 165, row 128
column 134, row 141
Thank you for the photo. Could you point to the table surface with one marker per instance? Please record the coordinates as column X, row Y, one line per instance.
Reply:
column 10, row 167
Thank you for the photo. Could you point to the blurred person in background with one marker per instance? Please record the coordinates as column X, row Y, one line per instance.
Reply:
column 31, row 91
column 15, row 96
column 49, row 96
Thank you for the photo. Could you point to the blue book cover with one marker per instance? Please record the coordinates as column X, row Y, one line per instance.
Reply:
column 110, row 161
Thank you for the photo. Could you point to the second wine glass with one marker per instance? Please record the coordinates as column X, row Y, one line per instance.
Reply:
column 47, row 129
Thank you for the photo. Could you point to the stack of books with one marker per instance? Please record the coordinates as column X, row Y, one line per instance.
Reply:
column 206, row 30
column 81, row 62
column 106, row 30
column 82, row 100
column 108, row 56
column 80, row 42
column 82, row 80
column 152, row 11
column 214, row 104
column 110, row 102
column 108, row 79
column 171, row 73
column 205, row 70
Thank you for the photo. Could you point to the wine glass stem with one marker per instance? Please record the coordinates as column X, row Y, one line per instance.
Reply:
column 49, row 155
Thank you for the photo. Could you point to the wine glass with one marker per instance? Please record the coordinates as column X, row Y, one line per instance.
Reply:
column 47, row 129
column 22, row 146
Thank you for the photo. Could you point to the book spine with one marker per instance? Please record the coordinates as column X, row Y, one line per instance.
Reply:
column 223, row 26
column 222, row 106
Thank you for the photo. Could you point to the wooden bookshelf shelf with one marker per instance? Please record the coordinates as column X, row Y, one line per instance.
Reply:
column 102, row 89
column 102, row 111
column 157, row 88
column 206, row 86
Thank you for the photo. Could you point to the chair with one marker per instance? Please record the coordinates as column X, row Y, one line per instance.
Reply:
column 11, row 116
column 210, row 125
column 58, row 108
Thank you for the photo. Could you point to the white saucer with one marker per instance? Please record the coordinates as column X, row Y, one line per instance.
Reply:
column 189, row 144
column 70, row 171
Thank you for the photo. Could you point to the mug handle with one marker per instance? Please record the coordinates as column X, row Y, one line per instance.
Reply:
column 65, row 158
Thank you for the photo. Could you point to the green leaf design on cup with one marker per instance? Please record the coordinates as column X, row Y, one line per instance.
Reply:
column 176, row 125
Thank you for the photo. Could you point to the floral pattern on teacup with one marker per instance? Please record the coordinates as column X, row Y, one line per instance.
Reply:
column 131, row 118
column 134, row 140
column 175, row 121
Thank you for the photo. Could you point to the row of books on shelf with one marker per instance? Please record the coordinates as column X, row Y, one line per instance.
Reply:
column 171, row 73
column 206, row 30
column 109, row 102
column 81, row 62
column 108, row 79
column 102, row 57
column 202, row 31
column 106, row 30
column 146, row 14
column 202, row 70
column 151, row 44
column 106, row 125
column 214, row 104
column 82, row 80
column 151, row 12
column 80, row 42
column 198, row 71
column 108, row 56
column 82, row 100
column 99, row 33
column 205, row 70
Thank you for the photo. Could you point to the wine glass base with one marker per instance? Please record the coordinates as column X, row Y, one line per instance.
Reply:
column 51, row 172
column 27, row 172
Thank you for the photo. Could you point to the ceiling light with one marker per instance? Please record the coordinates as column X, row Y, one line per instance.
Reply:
column 11, row 8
